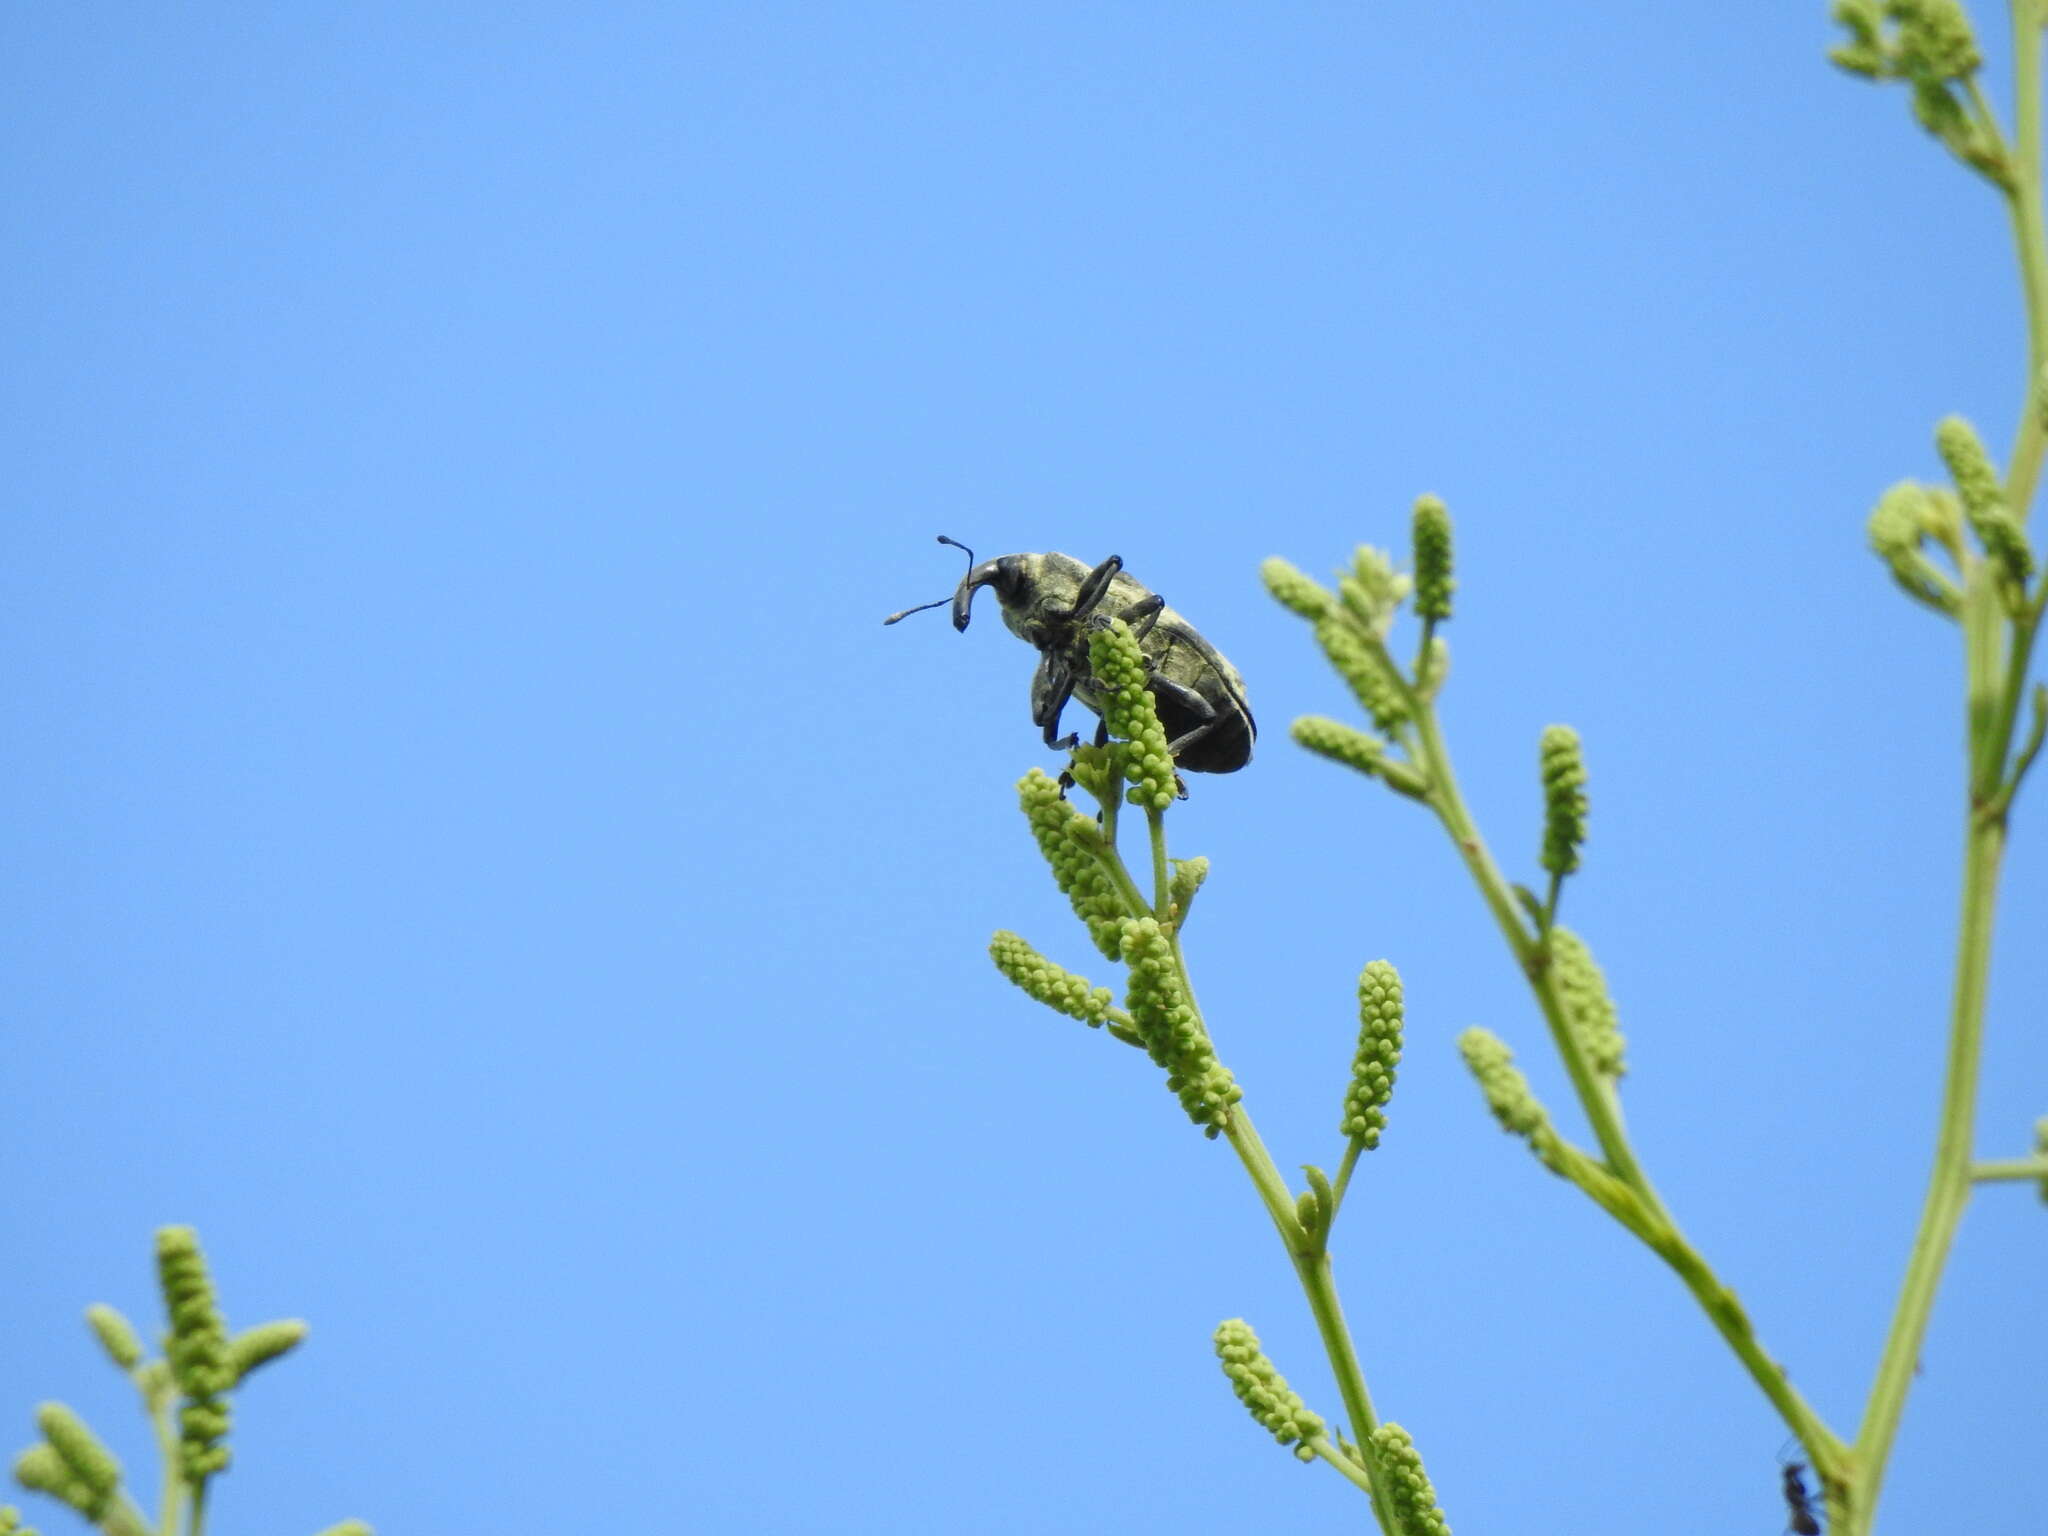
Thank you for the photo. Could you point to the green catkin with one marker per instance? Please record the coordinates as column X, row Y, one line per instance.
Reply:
column 1408, row 1486
column 1365, row 671
column 1353, row 748
column 1373, row 590
column 90, row 1466
column 1983, row 498
column 1173, row 1037
column 1932, row 48
column 116, row 1335
column 1378, row 1054
column 1072, row 845
column 1295, row 590
column 1432, row 535
column 1059, row 989
column 42, row 1468
column 1121, row 672
column 1904, row 517
column 197, row 1349
column 262, row 1344
column 1564, row 799
column 1263, row 1390
column 1508, row 1094
column 1187, row 878
column 1588, row 1006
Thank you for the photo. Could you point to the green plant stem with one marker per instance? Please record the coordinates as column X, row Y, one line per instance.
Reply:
column 1601, row 1108
column 1948, row 1186
column 2024, row 204
column 198, row 1525
column 1603, row 1111
column 1325, row 1448
column 2009, row 1170
column 171, row 1505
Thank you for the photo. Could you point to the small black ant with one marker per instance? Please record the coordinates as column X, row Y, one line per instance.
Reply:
column 1804, row 1521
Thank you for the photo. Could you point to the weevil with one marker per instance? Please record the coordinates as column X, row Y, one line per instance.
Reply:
column 1053, row 601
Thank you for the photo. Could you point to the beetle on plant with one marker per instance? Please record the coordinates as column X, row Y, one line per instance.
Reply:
column 1053, row 601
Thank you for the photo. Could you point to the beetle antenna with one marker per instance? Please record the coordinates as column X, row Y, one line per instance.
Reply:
column 920, row 608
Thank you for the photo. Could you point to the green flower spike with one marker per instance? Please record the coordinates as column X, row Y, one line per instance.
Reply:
column 1188, row 875
column 1098, row 770
column 1905, row 517
column 1984, row 501
column 1059, row 989
column 10, row 1522
column 1587, row 1005
column 1364, row 668
column 1264, row 1390
column 1933, row 49
column 1165, row 1021
column 1373, row 590
column 1433, row 583
column 1508, row 1095
column 1564, row 799
column 1340, row 743
column 1121, row 671
column 116, row 1335
column 1408, row 1486
column 263, row 1343
column 198, row 1352
column 1303, row 594
column 1072, row 845
column 1379, row 1052
column 90, row 1475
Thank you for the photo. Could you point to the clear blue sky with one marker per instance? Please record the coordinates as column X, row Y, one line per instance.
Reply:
column 474, row 852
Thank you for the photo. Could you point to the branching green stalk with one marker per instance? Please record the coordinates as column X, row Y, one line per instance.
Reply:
column 2009, row 1170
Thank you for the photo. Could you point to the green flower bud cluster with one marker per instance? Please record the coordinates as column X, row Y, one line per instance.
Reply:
column 1365, row 670
column 1099, row 770
column 70, row 1463
column 1905, row 517
column 10, row 1522
column 1303, row 594
column 1588, row 1006
column 1053, row 985
column 1379, row 1052
column 1984, row 504
column 1073, row 847
column 264, row 1343
column 1357, row 749
column 1264, row 1390
column 1373, row 590
column 1432, row 535
column 1509, row 1096
column 1931, row 47
column 1188, row 875
column 197, row 1349
column 1122, row 672
column 116, row 1335
column 349, row 1528
column 1173, row 1036
column 1564, row 799
column 1408, row 1486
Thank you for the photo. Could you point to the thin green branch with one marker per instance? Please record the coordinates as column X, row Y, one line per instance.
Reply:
column 2009, row 1170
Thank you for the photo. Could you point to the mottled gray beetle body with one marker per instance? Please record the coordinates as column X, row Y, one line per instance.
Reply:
column 1053, row 602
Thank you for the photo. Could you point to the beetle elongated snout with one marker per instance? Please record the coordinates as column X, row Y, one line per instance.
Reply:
column 977, row 577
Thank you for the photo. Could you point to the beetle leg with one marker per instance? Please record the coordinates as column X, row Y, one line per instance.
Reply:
column 1051, row 687
column 1143, row 614
column 1094, row 585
